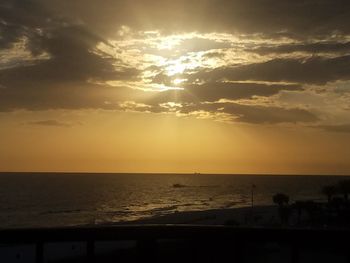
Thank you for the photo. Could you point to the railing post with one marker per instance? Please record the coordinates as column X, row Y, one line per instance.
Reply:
column 295, row 253
column 239, row 247
column 90, row 251
column 39, row 252
column 146, row 249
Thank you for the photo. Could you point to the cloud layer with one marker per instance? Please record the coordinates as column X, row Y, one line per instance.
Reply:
column 164, row 57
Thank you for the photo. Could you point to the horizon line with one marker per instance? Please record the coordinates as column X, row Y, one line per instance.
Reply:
column 174, row 173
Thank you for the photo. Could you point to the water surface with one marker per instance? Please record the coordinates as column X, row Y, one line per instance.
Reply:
column 66, row 199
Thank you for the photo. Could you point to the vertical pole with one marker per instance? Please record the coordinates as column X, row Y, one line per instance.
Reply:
column 252, row 196
column 252, row 202
column 295, row 253
column 239, row 251
column 39, row 251
column 90, row 251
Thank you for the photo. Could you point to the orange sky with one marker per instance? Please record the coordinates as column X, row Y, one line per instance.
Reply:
column 138, row 142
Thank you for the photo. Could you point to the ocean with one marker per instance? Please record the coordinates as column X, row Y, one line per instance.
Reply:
column 72, row 199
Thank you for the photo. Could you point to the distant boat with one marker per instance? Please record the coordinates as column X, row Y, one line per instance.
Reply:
column 197, row 173
column 178, row 185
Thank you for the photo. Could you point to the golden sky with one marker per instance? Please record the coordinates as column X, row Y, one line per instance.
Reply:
column 175, row 86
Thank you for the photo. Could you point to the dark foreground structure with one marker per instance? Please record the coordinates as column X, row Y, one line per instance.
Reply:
column 174, row 243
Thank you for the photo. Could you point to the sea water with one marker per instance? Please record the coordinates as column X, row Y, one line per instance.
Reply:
column 70, row 199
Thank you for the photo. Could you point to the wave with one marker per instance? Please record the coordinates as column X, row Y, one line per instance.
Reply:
column 194, row 186
column 68, row 211
column 163, row 209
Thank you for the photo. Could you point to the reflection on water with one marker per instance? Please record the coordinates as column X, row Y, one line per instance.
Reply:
column 75, row 199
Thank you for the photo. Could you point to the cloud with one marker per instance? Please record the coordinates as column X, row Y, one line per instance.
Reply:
column 233, row 91
column 63, row 79
column 306, row 18
column 202, row 44
column 214, row 54
column 21, row 18
column 255, row 114
column 233, row 112
column 214, row 91
column 72, row 59
column 313, row 48
column 71, row 96
column 49, row 123
column 76, row 73
column 342, row 128
column 313, row 70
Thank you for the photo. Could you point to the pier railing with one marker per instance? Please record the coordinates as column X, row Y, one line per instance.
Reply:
column 197, row 243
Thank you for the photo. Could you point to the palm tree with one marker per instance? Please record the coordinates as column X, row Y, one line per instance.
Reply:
column 344, row 188
column 280, row 199
column 329, row 191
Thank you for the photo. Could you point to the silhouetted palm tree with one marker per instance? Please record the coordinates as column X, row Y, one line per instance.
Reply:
column 280, row 199
column 329, row 191
column 344, row 188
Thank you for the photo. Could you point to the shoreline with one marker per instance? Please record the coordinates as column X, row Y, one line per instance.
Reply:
column 258, row 215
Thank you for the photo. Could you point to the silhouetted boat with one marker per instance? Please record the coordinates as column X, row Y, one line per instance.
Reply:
column 178, row 185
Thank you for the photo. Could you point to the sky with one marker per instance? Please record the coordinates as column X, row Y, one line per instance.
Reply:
column 210, row 86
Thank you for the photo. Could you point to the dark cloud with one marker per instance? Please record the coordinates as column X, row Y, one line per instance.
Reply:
column 313, row 70
column 20, row 18
column 342, row 128
column 252, row 114
column 221, row 90
column 62, row 80
column 313, row 48
column 213, row 91
column 255, row 114
column 271, row 18
column 306, row 18
column 39, row 96
column 272, row 115
column 71, row 59
column 49, row 123
column 81, row 96
column 69, row 45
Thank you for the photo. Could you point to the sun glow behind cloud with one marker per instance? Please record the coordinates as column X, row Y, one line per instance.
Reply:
column 154, row 54
column 168, row 61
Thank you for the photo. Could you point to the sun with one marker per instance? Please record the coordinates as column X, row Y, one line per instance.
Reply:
column 175, row 67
